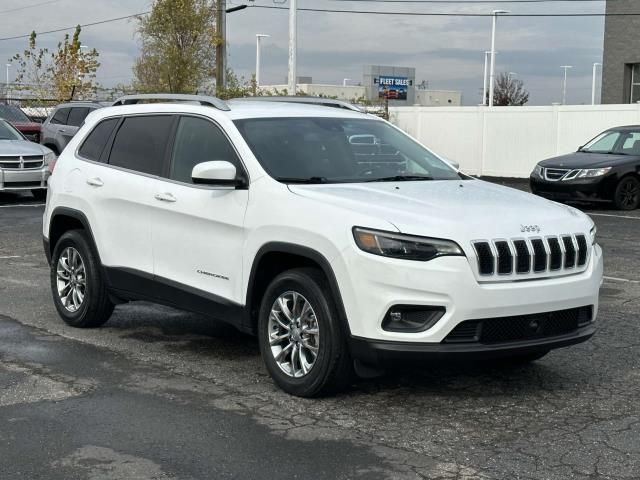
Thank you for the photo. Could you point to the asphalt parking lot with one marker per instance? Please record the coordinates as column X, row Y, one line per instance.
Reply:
column 161, row 394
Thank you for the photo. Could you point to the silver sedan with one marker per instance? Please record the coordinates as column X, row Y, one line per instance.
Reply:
column 24, row 165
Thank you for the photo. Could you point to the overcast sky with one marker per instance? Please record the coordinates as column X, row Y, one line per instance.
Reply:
column 446, row 51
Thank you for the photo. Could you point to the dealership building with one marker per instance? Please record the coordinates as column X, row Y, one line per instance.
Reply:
column 621, row 64
column 379, row 83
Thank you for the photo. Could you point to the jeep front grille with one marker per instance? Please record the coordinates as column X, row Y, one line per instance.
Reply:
column 24, row 162
column 511, row 257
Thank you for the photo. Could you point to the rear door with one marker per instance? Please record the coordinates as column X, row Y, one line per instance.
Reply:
column 120, row 191
column 198, row 230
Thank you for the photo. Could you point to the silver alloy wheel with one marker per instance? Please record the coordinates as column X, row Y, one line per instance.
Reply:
column 294, row 335
column 71, row 279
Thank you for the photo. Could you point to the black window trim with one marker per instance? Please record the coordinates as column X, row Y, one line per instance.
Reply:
column 78, row 108
column 168, row 150
column 171, row 145
column 66, row 119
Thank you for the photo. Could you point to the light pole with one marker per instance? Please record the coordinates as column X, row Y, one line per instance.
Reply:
column 344, row 81
column 492, row 75
column 293, row 46
column 8, row 65
column 258, row 37
column 593, row 83
column 485, row 79
column 564, row 83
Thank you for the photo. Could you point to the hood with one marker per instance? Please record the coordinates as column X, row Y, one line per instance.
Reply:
column 458, row 210
column 27, row 127
column 14, row 148
column 587, row 160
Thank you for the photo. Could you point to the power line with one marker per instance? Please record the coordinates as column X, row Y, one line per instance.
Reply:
column 29, row 6
column 450, row 14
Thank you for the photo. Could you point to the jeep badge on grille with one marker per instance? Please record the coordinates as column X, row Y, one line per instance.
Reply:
column 530, row 228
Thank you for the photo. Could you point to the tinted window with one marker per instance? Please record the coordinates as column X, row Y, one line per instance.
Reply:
column 13, row 114
column 60, row 118
column 141, row 142
column 197, row 141
column 77, row 116
column 96, row 141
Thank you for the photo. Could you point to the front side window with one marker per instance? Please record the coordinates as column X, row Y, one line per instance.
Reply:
column 77, row 116
column 95, row 142
column 61, row 116
column 198, row 140
column 141, row 143
column 339, row 150
column 8, row 132
column 618, row 142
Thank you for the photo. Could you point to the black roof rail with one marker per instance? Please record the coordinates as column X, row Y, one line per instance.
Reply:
column 204, row 100
column 322, row 101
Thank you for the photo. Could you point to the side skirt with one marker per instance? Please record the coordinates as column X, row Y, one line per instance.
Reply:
column 131, row 285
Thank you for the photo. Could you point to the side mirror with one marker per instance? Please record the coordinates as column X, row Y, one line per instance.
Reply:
column 218, row 172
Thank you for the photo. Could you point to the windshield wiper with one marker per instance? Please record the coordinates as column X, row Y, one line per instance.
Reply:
column 310, row 180
column 400, row 178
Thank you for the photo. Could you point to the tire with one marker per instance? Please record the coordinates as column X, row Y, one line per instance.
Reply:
column 94, row 308
column 39, row 193
column 517, row 359
column 331, row 368
column 627, row 194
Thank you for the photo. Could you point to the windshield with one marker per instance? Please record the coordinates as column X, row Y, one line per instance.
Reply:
column 339, row 150
column 615, row 141
column 13, row 114
column 7, row 132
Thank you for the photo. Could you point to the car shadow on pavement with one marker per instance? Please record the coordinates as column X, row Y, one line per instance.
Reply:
column 15, row 198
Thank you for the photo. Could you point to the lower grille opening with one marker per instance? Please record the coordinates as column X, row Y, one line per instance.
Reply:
column 521, row 327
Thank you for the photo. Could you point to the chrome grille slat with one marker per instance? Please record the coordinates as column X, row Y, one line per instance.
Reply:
column 25, row 162
column 555, row 174
column 500, row 258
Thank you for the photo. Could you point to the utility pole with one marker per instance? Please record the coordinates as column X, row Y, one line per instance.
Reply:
column 221, row 47
column 564, row 83
column 293, row 47
column 593, row 83
column 492, row 74
column 485, row 79
column 259, row 36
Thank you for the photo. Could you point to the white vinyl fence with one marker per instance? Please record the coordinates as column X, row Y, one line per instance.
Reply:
column 509, row 141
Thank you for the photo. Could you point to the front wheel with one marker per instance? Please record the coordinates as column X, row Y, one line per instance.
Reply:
column 627, row 194
column 300, row 338
column 78, row 289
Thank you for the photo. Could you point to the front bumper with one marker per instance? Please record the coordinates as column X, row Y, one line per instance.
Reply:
column 586, row 190
column 23, row 179
column 371, row 285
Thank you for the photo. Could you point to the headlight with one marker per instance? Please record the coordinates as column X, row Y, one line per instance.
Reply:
column 407, row 247
column 588, row 173
column 538, row 171
column 593, row 232
column 49, row 157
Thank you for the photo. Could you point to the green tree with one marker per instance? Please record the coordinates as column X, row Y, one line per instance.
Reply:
column 67, row 73
column 178, row 43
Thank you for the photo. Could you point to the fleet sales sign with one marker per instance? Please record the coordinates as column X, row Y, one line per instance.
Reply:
column 393, row 88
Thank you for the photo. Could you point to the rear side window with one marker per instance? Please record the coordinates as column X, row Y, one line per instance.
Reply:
column 140, row 143
column 198, row 140
column 95, row 142
column 60, row 117
column 77, row 116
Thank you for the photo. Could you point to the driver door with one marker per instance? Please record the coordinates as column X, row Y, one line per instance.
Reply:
column 198, row 230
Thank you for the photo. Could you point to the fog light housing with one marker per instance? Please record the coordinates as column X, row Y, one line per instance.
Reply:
column 412, row 318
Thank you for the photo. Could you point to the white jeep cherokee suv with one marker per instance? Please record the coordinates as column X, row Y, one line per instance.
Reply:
column 332, row 235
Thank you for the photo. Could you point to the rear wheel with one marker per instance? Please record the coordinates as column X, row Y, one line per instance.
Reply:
column 78, row 289
column 627, row 194
column 39, row 193
column 300, row 337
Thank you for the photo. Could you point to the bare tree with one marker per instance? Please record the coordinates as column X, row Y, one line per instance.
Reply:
column 509, row 92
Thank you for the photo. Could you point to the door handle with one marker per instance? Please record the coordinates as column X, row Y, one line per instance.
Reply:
column 165, row 197
column 95, row 182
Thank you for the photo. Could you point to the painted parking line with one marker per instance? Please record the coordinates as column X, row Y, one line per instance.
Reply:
column 611, row 215
column 7, row 257
column 23, row 205
column 624, row 280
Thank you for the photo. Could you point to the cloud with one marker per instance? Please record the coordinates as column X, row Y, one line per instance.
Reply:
column 446, row 51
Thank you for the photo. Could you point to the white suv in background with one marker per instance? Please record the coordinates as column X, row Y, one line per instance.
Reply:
column 335, row 237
